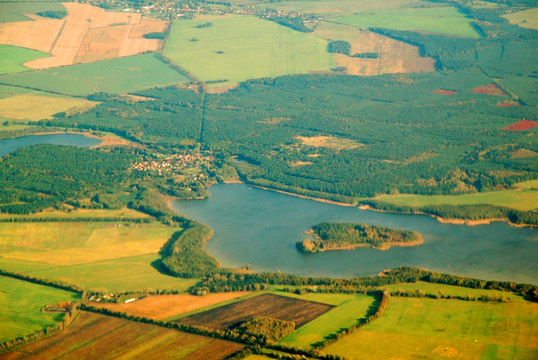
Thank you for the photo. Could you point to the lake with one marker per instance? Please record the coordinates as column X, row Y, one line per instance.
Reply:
column 260, row 228
column 9, row 145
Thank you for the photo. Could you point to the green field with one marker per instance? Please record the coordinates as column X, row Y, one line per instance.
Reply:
column 73, row 243
column 237, row 48
column 525, row 18
column 524, row 200
column 117, row 76
column 330, row 7
column 433, row 329
column 433, row 288
column 349, row 309
column 14, row 11
column 124, row 274
column 443, row 20
column 12, row 58
column 21, row 303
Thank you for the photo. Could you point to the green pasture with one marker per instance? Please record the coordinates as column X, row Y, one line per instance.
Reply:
column 12, row 58
column 237, row 48
column 434, row 329
column 115, row 76
column 344, row 315
column 434, row 289
column 524, row 200
column 331, row 7
column 125, row 274
column 443, row 20
column 21, row 303
column 16, row 10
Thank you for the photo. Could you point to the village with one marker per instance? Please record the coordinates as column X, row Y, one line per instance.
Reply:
column 177, row 163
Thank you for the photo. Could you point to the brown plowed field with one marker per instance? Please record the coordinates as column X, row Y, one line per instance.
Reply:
column 278, row 307
column 445, row 92
column 522, row 125
column 95, row 336
column 86, row 34
column 490, row 89
column 394, row 56
column 165, row 306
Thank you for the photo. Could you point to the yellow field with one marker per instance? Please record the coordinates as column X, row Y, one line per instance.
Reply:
column 330, row 142
column 526, row 18
column 80, row 242
column 42, row 107
column 86, row 34
column 97, row 214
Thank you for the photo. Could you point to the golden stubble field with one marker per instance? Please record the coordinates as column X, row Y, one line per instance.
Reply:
column 86, row 34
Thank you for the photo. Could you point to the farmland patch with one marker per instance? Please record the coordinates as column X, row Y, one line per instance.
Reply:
column 21, row 303
column 11, row 11
column 490, row 89
column 237, row 48
column 283, row 308
column 12, row 58
column 43, row 107
column 113, row 76
column 525, row 18
column 94, row 336
column 437, row 19
column 165, row 306
column 445, row 92
column 79, row 242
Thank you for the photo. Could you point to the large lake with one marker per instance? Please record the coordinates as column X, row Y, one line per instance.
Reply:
column 9, row 145
column 260, row 228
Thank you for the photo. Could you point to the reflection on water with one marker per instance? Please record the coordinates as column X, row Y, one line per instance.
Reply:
column 260, row 228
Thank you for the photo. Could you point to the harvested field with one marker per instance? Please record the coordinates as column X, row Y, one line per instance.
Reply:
column 165, row 306
column 525, row 18
column 522, row 125
column 393, row 56
column 86, row 34
column 42, row 107
column 94, row 214
column 284, row 308
column 95, row 336
column 490, row 89
column 330, row 142
column 445, row 92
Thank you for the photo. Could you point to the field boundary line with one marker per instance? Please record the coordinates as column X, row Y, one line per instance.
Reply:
column 57, row 37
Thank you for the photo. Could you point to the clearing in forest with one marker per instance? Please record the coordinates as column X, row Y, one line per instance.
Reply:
column 87, row 33
column 490, row 89
column 436, row 19
column 283, row 308
column 330, row 142
column 445, row 92
column 95, row 336
column 165, row 306
column 522, row 125
column 226, row 50
column 21, row 303
column 433, row 329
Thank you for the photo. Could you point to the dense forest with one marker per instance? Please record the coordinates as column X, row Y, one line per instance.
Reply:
column 329, row 236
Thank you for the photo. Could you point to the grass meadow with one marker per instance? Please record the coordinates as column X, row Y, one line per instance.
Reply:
column 115, row 76
column 123, row 274
column 12, row 58
column 21, row 303
column 237, row 48
column 346, row 313
column 525, row 199
column 74, row 243
column 43, row 107
column 433, row 329
column 443, row 20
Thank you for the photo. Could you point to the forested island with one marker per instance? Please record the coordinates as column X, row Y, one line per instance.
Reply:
column 345, row 236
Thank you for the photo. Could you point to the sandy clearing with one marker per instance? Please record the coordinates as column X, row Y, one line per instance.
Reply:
column 330, row 142
column 165, row 306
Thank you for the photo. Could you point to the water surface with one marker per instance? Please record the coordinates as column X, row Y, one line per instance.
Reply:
column 260, row 228
column 9, row 145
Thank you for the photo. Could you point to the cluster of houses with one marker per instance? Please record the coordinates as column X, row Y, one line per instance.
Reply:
column 175, row 163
